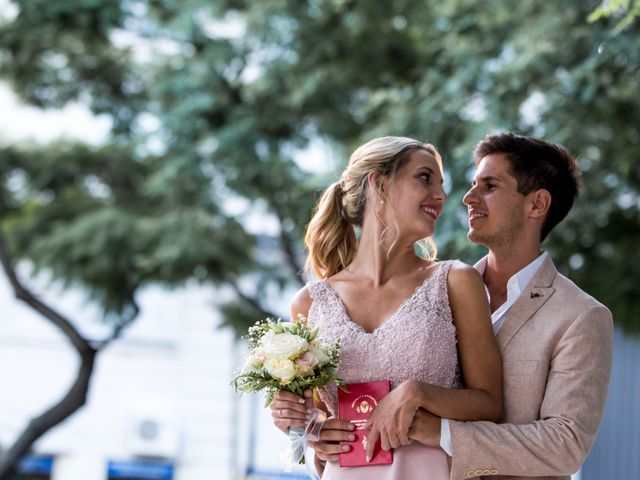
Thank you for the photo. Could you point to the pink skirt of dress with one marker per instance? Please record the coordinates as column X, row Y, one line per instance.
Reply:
column 411, row 462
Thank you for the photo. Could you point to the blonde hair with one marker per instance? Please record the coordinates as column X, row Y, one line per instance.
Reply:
column 331, row 237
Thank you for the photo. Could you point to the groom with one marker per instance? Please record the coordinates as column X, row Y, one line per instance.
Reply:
column 555, row 339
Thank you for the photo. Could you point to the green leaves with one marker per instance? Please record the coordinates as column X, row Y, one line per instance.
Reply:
column 212, row 106
column 629, row 10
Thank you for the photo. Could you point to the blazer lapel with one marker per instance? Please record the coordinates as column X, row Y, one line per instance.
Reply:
column 534, row 296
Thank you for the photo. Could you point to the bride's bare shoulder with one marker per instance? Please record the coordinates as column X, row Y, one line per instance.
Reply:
column 301, row 302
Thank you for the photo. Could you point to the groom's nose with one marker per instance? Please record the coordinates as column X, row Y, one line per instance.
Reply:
column 469, row 197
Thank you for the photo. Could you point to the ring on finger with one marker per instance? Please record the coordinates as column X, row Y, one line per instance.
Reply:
column 280, row 413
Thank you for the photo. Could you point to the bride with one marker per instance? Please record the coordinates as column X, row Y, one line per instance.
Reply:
column 399, row 314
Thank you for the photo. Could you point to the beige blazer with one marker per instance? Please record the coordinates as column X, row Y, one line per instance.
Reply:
column 556, row 350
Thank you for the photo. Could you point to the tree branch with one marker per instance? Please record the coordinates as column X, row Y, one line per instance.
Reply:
column 75, row 398
column 119, row 329
column 288, row 245
column 23, row 294
column 253, row 302
column 292, row 259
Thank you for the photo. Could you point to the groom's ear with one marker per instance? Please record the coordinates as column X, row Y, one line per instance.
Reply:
column 539, row 202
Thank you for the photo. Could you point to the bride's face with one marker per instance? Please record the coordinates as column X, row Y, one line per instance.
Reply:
column 415, row 197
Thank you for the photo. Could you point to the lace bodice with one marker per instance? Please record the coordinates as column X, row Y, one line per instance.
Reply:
column 417, row 342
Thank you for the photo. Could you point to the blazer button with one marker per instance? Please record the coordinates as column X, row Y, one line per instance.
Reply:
column 493, row 472
column 477, row 473
column 470, row 474
column 486, row 472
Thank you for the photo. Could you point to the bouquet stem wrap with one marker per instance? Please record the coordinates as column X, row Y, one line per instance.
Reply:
column 300, row 436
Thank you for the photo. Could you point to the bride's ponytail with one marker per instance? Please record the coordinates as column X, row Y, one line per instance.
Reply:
column 330, row 239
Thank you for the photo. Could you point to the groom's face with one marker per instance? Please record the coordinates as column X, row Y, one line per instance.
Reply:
column 495, row 208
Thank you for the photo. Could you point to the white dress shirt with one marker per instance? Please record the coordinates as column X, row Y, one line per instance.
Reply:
column 515, row 286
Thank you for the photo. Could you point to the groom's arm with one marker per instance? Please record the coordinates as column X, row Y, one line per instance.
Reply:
column 570, row 413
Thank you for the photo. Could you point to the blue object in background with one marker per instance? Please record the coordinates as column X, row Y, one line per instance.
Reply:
column 615, row 453
column 36, row 464
column 274, row 475
column 141, row 470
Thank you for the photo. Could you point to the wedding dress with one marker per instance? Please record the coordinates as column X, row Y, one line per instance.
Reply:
column 417, row 342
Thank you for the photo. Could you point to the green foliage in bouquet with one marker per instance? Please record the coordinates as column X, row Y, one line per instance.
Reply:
column 287, row 356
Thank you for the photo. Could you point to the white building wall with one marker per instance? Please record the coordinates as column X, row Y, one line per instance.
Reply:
column 172, row 367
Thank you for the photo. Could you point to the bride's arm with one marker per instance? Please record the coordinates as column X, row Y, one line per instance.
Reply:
column 481, row 399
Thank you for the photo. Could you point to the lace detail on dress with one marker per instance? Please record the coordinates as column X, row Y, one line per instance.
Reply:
column 418, row 341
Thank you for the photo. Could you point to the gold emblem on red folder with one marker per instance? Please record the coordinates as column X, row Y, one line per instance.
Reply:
column 364, row 404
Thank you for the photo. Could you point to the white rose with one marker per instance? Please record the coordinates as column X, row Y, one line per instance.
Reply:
column 282, row 369
column 283, row 345
column 321, row 357
column 268, row 336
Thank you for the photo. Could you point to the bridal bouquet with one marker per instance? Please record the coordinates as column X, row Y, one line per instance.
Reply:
column 288, row 356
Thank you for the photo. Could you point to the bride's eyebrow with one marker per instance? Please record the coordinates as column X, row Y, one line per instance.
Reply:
column 424, row 168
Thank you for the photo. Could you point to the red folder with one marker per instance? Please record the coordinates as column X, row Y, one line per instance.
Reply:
column 356, row 405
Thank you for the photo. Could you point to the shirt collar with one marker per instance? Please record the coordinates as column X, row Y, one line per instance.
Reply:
column 515, row 285
column 523, row 276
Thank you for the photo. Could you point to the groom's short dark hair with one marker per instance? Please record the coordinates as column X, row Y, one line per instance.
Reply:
column 536, row 164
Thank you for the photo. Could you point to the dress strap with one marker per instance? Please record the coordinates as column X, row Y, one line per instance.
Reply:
column 439, row 290
column 317, row 289
column 320, row 298
column 443, row 271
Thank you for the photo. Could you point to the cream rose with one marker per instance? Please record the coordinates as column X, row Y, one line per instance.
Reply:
column 283, row 345
column 252, row 364
column 282, row 369
column 321, row 357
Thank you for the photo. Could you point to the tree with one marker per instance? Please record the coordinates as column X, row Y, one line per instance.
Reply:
column 628, row 9
column 112, row 218
column 212, row 104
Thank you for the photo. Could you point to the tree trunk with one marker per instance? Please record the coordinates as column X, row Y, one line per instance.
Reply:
column 77, row 394
column 38, row 426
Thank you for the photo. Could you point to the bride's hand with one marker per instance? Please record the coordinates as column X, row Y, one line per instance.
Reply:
column 392, row 418
column 334, row 431
column 290, row 410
